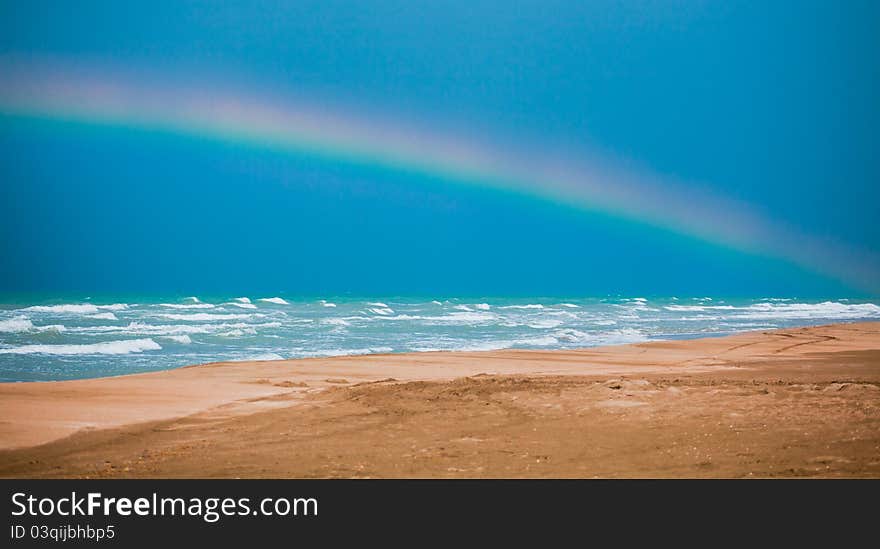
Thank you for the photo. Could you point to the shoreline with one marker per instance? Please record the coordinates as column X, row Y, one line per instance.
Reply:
column 63, row 428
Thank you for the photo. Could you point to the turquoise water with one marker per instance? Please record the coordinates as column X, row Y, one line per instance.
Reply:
column 68, row 338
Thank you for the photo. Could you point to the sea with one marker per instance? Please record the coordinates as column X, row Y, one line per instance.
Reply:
column 71, row 338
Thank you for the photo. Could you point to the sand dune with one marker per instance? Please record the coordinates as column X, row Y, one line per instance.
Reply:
column 794, row 402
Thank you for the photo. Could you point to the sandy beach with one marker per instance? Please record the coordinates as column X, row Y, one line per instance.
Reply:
column 801, row 402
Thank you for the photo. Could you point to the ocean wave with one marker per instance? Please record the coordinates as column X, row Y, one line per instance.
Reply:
column 122, row 347
column 242, row 305
column 778, row 310
column 571, row 335
column 462, row 317
column 260, row 357
column 615, row 337
column 103, row 316
column 184, row 339
column 381, row 311
column 466, row 347
column 84, row 308
column 21, row 324
column 335, row 321
column 539, row 341
column 243, row 299
column 466, row 317
column 530, row 306
column 187, row 305
column 204, row 317
column 543, row 323
column 326, row 303
column 462, row 308
column 17, row 324
column 700, row 307
column 238, row 332
column 344, row 352
column 76, row 308
column 826, row 309
column 487, row 345
column 140, row 328
column 569, row 305
column 275, row 300
column 377, row 304
column 482, row 306
column 635, row 306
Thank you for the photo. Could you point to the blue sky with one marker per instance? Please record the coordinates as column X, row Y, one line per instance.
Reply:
column 771, row 104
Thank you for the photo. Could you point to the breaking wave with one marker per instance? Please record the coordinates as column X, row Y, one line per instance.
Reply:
column 204, row 317
column 103, row 316
column 187, row 305
column 122, row 347
column 22, row 324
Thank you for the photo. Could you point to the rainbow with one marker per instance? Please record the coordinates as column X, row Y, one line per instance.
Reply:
column 587, row 182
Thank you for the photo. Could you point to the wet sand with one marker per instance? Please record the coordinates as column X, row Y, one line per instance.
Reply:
column 791, row 403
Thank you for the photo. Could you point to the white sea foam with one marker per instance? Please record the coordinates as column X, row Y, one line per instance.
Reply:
column 76, row 308
column 184, row 339
column 377, row 304
column 242, row 305
column 467, row 317
column 540, row 341
column 275, row 300
column 571, row 335
column 462, row 317
column 468, row 346
column 238, row 332
column 336, row 322
column 700, row 307
column 482, row 306
column 569, row 305
column 606, row 322
column 85, row 308
column 140, row 328
column 242, row 299
column 260, row 357
column 543, row 323
column 530, row 306
column 187, row 305
column 344, row 352
column 194, row 299
column 616, row 337
column 778, row 310
column 204, row 316
column 22, row 324
column 491, row 345
column 103, row 316
column 327, row 303
column 381, row 311
column 17, row 324
column 435, row 302
column 462, row 308
column 122, row 347
column 827, row 309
